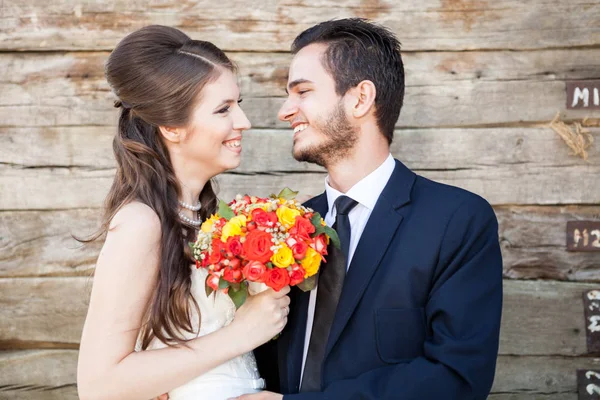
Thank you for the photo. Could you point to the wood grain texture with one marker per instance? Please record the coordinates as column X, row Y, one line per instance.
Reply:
column 40, row 243
column 44, row 374
column 38, row 374
column 443, row 89
column 539, row 317
column 420, row 25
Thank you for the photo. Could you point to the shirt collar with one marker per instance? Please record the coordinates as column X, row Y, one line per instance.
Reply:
column 367, row 190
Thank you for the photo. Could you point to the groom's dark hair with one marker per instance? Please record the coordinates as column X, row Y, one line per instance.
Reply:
column 361, row 50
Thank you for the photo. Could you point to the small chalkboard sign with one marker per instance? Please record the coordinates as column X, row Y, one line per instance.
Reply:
column 588, row 384
column 591, row 311
column 583, row 94
column 583, row 235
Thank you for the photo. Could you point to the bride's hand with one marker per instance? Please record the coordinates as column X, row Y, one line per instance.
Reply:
column 263, row 316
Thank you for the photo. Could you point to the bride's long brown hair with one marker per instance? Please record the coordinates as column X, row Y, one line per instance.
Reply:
column 158, row 74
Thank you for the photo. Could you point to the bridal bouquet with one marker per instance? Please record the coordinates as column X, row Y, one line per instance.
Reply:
column 275, row 241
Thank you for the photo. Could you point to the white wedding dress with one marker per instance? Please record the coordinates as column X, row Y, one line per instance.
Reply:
column 234, row 378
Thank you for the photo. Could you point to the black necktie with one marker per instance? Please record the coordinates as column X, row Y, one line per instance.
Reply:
column 331, row 281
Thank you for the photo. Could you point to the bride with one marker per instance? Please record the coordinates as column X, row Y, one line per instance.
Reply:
column 150, row 328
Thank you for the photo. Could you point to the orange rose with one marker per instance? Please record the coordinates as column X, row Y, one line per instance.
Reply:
column 235, row 246
column 213, row 282
column 303, row 228
column 297, row 275
column 264, row 219
column 277, row 278
column 254, row 271
column 258, row 246
column 320, row 244
column 232, row 275
column 216, row 255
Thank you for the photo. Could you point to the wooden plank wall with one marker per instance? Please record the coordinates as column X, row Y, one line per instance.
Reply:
column 484, row 79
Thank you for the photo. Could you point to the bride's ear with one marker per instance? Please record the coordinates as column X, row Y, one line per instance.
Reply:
column 173, row 135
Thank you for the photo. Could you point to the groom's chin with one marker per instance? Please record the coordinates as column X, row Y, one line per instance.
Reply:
column 308, row 155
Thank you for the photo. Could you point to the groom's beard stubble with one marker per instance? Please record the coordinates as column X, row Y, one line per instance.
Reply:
column 340, row 138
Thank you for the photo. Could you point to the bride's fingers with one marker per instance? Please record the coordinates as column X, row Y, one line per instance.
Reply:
column 283, row 292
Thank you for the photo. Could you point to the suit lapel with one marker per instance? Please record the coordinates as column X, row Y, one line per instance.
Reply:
column 292, row 349
column 375, row 239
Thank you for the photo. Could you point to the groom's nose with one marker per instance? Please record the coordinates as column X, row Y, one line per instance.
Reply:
column 287, row 110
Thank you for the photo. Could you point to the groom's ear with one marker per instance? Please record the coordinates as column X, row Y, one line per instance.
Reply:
column 171, row 134
column 362, row 98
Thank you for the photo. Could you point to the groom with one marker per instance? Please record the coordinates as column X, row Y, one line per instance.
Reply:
column 410, row 307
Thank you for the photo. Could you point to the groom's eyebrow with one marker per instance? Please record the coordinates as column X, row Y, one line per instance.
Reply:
column 295, row 83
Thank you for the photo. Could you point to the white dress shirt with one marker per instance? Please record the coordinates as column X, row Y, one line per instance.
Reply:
column 365, row 192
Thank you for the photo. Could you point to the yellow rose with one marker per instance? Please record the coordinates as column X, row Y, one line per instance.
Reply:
column 233, row 227
column 283, row 258
column 208, row 224
column 287, row 216
column 311, row 262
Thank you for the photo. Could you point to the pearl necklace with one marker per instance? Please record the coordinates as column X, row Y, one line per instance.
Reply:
column 189, row 206
column 193, row 222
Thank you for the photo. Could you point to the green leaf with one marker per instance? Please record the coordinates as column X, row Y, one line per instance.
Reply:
column 207, row 288
column 316, row 219
column 287, row 194
column 225, row 211
column 238, row 296
column 308, row 284
column 223, row 283
column 329, row 231
column 269, row 265
column 333, row 236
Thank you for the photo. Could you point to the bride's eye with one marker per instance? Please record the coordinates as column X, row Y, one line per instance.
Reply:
column 223, row 110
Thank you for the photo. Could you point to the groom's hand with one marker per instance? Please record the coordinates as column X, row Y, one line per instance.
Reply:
column 260, row 396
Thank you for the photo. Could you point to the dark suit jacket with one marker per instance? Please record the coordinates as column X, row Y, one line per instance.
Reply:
column 419, row 314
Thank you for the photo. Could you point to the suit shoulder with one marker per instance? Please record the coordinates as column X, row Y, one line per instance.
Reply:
column 450, row 197
column 314, row 200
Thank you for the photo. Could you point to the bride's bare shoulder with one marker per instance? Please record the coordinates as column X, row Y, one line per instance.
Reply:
column 136, row 217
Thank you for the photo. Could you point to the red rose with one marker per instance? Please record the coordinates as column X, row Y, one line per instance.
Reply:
column 319, row 244
column 258, row 246
column 218, row 248
column 232, row 275
column 297, row 275
column 277, row 278
column 213, row 281
column 234, row 246
column 254, row 271
column 303, row 228
column 299, row 249
column 235, row 263
column 263, row 218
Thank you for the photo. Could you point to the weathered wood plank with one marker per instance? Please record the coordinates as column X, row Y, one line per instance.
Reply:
column 43, row 309
column 34, row 243
column 534, row 377
column 270, row 150
column 539, row 317
column 445, row 89
column 265, row 74
column 39, row 243
column 543, row 318
column 26, row 393
column 420, row 25
column 37, row 372
column 533, row 243
column 499, row 184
